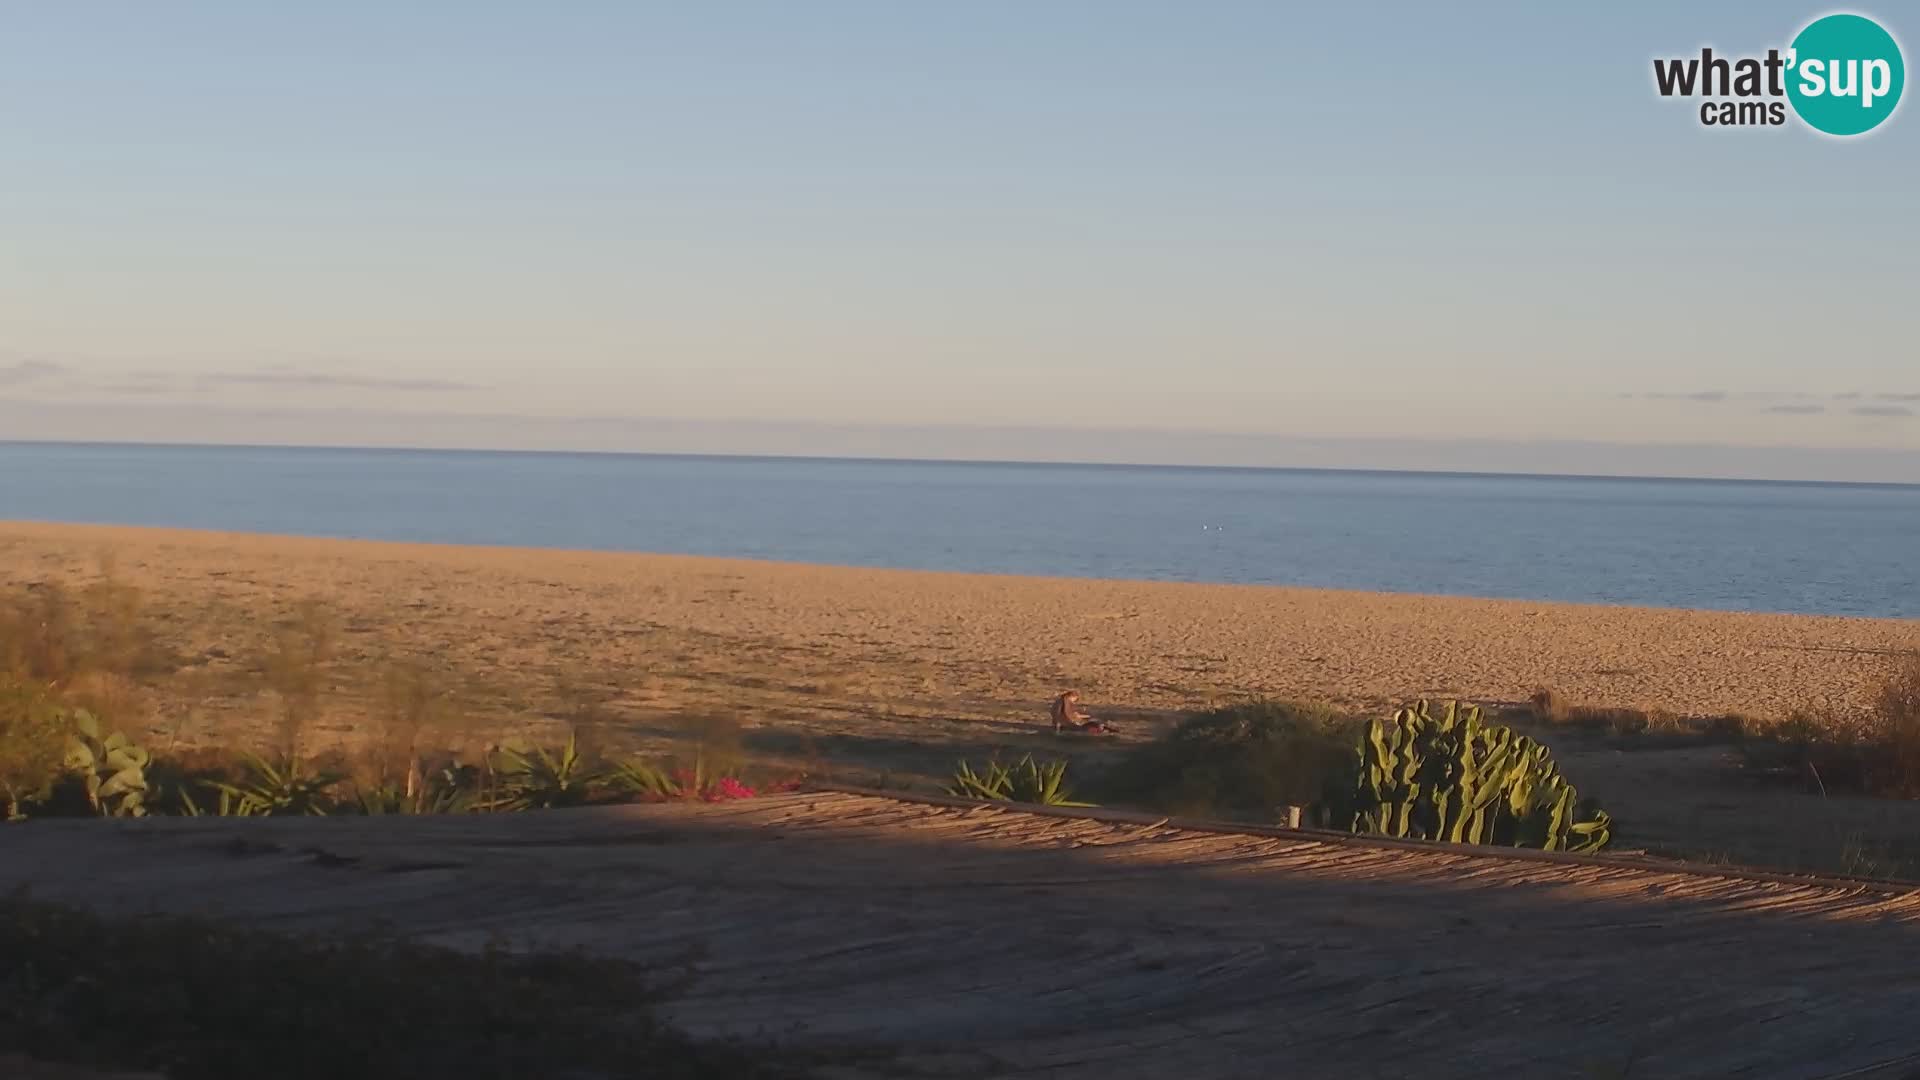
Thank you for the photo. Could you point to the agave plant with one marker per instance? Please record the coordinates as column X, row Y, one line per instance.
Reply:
column 652, row 782
column 452, row 790
column 111, row 769
column 539, row 779
column 645, row 779
column 1028, row 782
column 274, row 789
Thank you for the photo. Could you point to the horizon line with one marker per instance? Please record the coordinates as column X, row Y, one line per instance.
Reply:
column 1024, row 462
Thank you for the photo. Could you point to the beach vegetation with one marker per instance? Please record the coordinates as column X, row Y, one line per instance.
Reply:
column 452, row 789
column 1631, row 726
column 1550, row 706
column 58, row 761
column 1025, row 781
column 296, row 669
column 277, row 787
column 654, row 781
column 110, row 769
column 1873, row 749
column 33, row 731
column 1444, row 773
column 1244, row 761
column 543, row 778
column 1892, row 727
column 710, row 767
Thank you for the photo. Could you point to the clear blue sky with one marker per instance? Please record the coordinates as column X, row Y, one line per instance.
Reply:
column 768, row 222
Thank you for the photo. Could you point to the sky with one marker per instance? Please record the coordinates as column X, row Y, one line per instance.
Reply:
column 1377, row 234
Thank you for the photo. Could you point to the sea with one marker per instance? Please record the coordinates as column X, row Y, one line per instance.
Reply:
column 1810, row 548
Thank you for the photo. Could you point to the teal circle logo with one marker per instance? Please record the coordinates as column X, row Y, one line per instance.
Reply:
column 1845, row 74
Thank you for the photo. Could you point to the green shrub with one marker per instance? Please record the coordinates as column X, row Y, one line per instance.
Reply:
column 541, row 779
column 268, row 788
column 1455, row 778
column 453, row 789
column 1243, row 761
column 33, row 733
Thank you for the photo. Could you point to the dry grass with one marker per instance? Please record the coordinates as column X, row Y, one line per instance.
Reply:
column 1553, row 709
column 1875, row 750
column 1893, row 730
column 32, row 735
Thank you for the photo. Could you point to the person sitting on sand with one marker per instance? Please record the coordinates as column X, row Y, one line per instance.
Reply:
column 1068, row 717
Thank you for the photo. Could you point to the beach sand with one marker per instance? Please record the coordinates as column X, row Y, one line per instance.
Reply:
column 903, row 671
column 659, row 633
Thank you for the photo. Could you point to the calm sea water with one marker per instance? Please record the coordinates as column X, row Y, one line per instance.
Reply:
column 1814, row 548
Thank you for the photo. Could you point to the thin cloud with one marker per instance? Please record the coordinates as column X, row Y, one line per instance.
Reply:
column 137, row 386
column 1797, row 410
column 1716, row 396
column 1698, row 395
column 1881, row 410
column 21, row 372
column 284, row 377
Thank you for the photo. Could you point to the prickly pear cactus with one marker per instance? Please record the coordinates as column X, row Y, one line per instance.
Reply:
column 1454, row 777
column 112, row 769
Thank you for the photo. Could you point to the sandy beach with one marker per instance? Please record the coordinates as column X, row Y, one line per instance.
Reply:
column 881, row 677
column 526, row 634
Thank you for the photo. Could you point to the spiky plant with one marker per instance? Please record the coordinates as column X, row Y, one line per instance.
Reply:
column 274, row 789
column 539, row 778
column 452, row 790
column 645, row 779
column 1028, row 781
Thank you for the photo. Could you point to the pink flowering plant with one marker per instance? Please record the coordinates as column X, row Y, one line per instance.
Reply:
column 702, row 781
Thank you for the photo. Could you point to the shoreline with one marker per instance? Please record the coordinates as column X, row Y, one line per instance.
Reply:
column 28, row 526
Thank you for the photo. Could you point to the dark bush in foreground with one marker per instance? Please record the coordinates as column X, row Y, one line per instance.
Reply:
column 1243, row 761
column 201, row 1001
